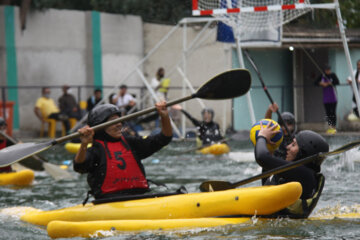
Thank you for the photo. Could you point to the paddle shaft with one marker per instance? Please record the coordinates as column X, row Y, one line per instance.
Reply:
column 266, row 91
column 280, row 169
column 122, row 119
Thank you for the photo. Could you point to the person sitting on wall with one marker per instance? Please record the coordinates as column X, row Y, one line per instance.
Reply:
column 94, row 99
column 45, row 108
column 68, row 104
column 124, row 100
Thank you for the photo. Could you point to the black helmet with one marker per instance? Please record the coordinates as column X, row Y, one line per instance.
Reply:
column 311, row 143
column 101, row 113
column 208, row 110
column 288, row 118
column 2, row 122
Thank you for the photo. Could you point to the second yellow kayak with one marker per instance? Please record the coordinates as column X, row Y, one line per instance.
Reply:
column 20, row 178
column 64, row 229
column 216, row 149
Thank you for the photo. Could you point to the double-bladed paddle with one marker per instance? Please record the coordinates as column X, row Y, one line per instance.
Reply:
column 229, row 84
column 53, row 170
column 210, row 186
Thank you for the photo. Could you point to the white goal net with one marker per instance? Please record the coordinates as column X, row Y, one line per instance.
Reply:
column 253, row 21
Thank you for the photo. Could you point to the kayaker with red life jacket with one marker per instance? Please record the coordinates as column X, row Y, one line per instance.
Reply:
column 113, row 163
column 306, row 143
column 4, row 143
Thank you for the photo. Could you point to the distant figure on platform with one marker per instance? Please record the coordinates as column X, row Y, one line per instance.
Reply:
column 4, row 143
column 208, row 130
column 160, row 84
column 357, row 80
column 94, row 99
column 45, row 108
column 68, row 104
column 124, row 100
column 328, row 82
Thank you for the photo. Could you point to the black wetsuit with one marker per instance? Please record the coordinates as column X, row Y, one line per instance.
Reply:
column 209, row 132
column 303, row 174
column 95, row 162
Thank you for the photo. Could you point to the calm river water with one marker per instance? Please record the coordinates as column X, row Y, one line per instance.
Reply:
column 175, row 168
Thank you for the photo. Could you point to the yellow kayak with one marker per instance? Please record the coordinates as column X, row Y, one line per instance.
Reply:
column 73, row 147
column 104, row 228
column 64, row 229
column 216, row 149
column 20, row 178
column 250, row 201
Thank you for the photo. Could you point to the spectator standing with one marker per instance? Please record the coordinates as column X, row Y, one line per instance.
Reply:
column 161, row 84
column 328, row 81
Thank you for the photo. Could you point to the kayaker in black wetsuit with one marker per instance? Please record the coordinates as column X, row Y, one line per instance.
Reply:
column 306, row 143
column 208, row 130
column 113, row 163
column 3, row 144
column 289, row 120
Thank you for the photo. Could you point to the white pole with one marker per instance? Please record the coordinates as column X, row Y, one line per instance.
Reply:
column 183, row 125
column 347, row 54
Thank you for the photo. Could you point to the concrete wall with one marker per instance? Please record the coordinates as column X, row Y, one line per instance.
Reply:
column 203, row 63
column 56, row 49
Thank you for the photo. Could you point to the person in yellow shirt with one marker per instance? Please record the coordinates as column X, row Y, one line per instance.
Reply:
column 161, row 84
column 45, row 108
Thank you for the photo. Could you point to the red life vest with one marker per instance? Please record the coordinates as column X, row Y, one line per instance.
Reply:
column 122, row 169
column 7, row 168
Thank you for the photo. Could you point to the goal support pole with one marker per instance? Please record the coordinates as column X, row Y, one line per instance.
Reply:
column 347, row 54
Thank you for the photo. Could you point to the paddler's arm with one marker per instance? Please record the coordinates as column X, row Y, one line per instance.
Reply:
column 86, row 137
column 191, row 118
column 166, row 128
column 272, row 108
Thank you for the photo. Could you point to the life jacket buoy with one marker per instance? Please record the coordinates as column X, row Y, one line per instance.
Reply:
column 122, row 170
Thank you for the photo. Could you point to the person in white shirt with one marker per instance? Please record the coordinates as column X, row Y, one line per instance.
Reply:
column 124, row 100
column 357, row 79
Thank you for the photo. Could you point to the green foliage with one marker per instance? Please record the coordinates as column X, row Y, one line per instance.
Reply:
column 320, row 18
column 162, row 11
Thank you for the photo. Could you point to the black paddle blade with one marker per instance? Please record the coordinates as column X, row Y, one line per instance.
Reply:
column 229, row 84
column 21, row 151
column 213, row 186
